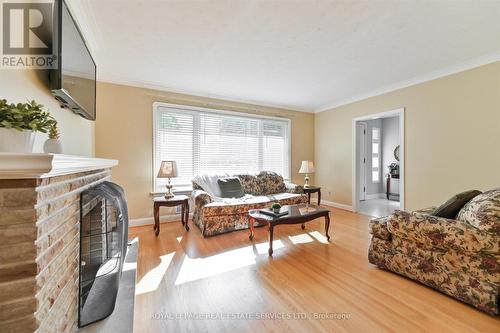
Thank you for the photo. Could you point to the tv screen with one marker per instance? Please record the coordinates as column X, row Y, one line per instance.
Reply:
column 74, row 81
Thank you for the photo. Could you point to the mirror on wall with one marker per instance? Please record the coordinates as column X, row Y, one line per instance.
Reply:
column 396, row 153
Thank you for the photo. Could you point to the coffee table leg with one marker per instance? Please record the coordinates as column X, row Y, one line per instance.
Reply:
column 250, row 222
column 271, row 231
column 327, row 226
column 157, row 219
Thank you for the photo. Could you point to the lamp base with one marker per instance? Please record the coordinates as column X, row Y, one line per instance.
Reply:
column 306, row 181
column 169, row 194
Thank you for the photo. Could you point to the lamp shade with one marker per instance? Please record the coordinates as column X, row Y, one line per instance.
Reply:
column 168, row 169
column 307, row 167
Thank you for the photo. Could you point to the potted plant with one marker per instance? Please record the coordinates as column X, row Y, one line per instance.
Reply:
column 19, row 124
column 53, row 144
column 276, row 208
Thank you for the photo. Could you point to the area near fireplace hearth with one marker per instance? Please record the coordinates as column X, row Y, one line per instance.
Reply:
column 39, row 237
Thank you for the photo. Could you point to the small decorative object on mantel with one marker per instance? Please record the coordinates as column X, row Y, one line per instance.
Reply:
column 306, row 168
column 53, row 144
column 19, row 124
column 168, row 169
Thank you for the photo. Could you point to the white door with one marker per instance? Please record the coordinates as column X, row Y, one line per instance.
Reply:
column 361, row 143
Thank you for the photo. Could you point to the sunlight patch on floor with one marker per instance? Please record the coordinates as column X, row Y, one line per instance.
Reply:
column 179, row 239
column 262, row 248
column 300, row 239
column 151, row 281
column 199, row 268
column 319, row 237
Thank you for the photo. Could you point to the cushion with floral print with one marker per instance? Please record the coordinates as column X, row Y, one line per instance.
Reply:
column 483, row 212
column 271, row 183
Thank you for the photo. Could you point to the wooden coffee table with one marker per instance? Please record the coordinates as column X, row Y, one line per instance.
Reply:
column 296, row 214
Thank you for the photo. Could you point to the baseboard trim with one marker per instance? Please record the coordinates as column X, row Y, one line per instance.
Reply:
column 375, row 196
column 150, row 220
column 337, row 205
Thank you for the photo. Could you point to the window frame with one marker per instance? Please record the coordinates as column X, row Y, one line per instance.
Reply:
column 188, row 108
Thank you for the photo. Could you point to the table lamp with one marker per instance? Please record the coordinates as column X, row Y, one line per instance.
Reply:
column 306, row 167
column 168, row 169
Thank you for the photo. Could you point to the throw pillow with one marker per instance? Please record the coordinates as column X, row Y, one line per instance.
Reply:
column 230, row 187
column 451, row 207
column 483, row 212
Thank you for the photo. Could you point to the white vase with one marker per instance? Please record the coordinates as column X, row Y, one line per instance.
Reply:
column 14, row 141
column 52, row 146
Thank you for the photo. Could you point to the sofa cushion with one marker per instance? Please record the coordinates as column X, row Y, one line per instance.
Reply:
column 270, row 183
column 280, row 197
column 249, row 183
column 230, row 187
column 209, row 183
column 244, row 204
column 451, row 207
column 483, row 212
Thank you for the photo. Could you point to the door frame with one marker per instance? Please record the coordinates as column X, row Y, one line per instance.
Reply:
column 392, row 113
column 359, row 156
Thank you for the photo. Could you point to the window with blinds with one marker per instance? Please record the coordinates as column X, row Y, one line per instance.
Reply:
column 210, row 141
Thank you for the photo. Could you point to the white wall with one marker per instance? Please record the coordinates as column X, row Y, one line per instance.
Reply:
column 20, row 85
column 390, row 139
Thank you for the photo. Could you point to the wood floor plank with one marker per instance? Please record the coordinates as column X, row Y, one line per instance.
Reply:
column 182, row 273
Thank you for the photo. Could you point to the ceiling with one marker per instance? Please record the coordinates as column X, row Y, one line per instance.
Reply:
column 302, row 55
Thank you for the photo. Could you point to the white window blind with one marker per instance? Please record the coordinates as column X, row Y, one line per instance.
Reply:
column 214, row 141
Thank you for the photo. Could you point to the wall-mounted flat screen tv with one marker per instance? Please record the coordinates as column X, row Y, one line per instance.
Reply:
column 73, row 82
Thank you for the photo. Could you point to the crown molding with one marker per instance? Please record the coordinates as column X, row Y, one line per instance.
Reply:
column 470, row 64
column 154, row 86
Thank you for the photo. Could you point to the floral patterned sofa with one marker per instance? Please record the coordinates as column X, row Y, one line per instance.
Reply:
column 458, row 257
column 215, row 215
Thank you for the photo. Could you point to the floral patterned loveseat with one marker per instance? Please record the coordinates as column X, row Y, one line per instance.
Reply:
column 458, row 257
column 215, row 215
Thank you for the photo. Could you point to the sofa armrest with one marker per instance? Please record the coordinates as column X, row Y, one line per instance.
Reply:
column 294, row 188
column 378, row 228
column 201, row 198
column 427, row 210
column 441, row 233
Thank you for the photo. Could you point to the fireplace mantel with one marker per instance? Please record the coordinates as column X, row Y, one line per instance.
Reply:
column 29, row 166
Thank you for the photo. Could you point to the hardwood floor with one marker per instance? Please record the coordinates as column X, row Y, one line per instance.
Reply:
column 228, row 275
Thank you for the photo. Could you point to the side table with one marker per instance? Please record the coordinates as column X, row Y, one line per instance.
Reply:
column 177, row 200
column 313, row 189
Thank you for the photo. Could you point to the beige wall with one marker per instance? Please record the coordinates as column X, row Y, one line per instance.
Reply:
column 124, row 132
column 77, row 134
column 452, row 133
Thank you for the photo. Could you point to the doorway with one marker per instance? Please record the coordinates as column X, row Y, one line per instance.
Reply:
column 378, row 163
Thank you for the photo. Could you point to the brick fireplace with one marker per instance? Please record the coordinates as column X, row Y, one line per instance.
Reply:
column 40, row 238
